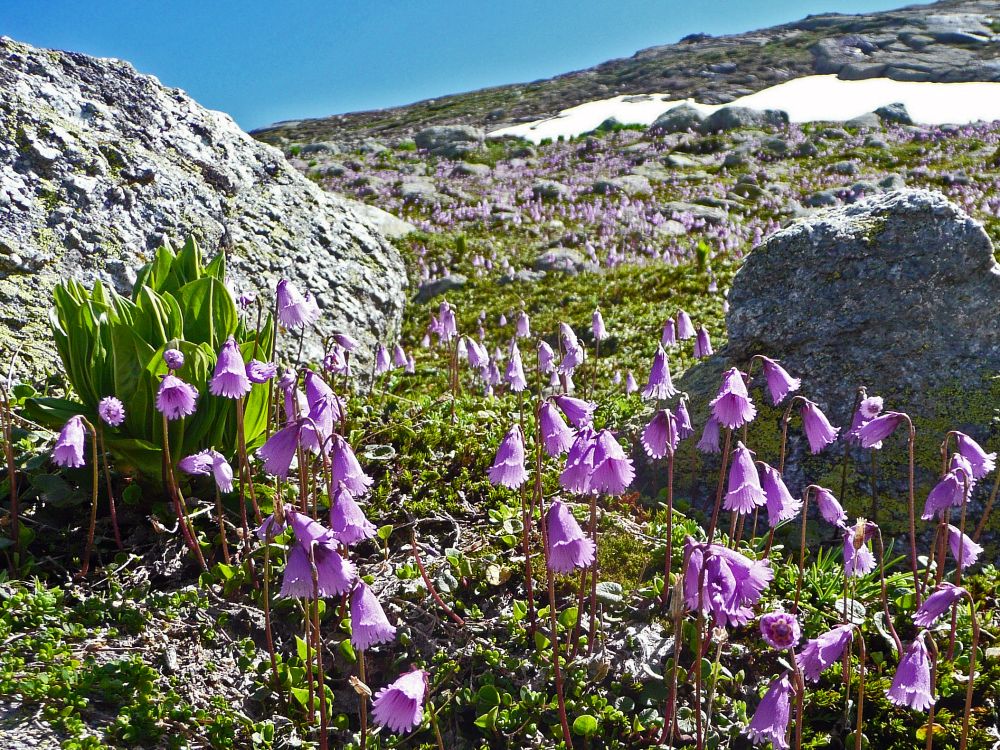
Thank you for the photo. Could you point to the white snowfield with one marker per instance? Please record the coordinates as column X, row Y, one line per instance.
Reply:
column 807, row 99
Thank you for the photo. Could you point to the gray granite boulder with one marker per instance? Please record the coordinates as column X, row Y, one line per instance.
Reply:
column 678, row 119
column 731, row 118
column 450, row 141
column 102, row 164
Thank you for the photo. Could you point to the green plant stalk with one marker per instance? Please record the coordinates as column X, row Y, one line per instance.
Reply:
column 266, row 602
column 88, row 549
column 964, row 739
column 554, row 637
column 187, row 530
column 220, row 517
column 712, row 684
column 107, row 480
column 244, row 462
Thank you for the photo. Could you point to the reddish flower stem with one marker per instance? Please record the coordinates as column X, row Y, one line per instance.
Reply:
column 430, row 586
column 554, row 637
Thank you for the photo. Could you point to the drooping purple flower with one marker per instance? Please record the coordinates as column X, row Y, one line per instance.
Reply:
column 780, row 630
column 817, row 427
column 597, row 326
column 230, row 377
column 546, row 358
column 336, row 361
column 913, row 684
column 820, row 652
column 295, row 310
column 173, row 358
column 702, row 343
column 630, row 385
column 572, row 359
column 111, row 411
column 947, row 493
column 732, row 406
column 209, row 462
column 369, row 625
column 669, row 335
column 261, row 372
column 779, row 382
column 398, row 356
column 858, row 557
column 514, row 375
column 279, row 450
column 296, row 404
column 960, row 464
column 660, row 436
column 878, row 429
column 659, row 385
column 400, row 706
column 446, row 320
column 770, row 720
column 733, row 583
column 613, row 470
column 829, row 508
column 935, row 605
column 962, row 547
column 568, row 337
column 336, row 575
column 270, row 527
column 411, row 365
column 382, row 362
column 175, row 398
column 575, row 477
column 744, row 492
column 709, row 442
column 348, row 522
column 580, row 413
column 508, row 467
column 346, row 342
column 344, row 467
column 684, row 427
column 69, row 446
column 982, row 462
column 557, row 436
column 569, row 547
column 781, row 506
column 871, row 407
column 685, row 328
column 522, row 325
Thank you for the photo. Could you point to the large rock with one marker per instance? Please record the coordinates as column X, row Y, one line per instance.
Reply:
column 100, row 164
column 678, row 119
column 450, row 141
column 731, row 118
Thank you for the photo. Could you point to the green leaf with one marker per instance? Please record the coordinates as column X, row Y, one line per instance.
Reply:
column 187, row 267
column 301, row 648
column 585, row 726
column 52, row 412
column 209, row 311
column 488, row 720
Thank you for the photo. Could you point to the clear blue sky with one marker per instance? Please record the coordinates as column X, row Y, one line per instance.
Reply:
column 268, row 60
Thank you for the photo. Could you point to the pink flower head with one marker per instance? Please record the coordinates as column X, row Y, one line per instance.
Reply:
column 871, row 407
column 383, row 363
column 336, row 575
column 669, row 336
column 702, row 343
column 709, row 442
column 346, row 342
column 829, row 508
column 173, row 358
column 597, row 326
column 962, row 547
column 369, row 625
column 400, row 706
column 514, row 376
column 209, row 462
column 858, row 558
column 947, row 493
column 111, row 411
column 732, row 407
column 294, row 309
column 398, row 356
column 580, row 413
column 348, row 523
column 630, row 385
column 230, row 377
column 733, row 583
column 781, row 506
column 279, row 450
column 446, row 321
column 660, row 436
column 913, row 684
column 546, row 358
column 557, row 436
column 935, row 605
column 982, row 462
column 270, row 527
column 878, row 429
column 613, row 471
column 817, row 427
column 69, row 446
column 575, row 477
column 261, row 372
column 336, row 362
column 744, row 493
column 659, row 385
column 779, row 382
column 780, row 630
column 685, row 328
column 569, row 547
column 522, row 325
column 683, row 420
column 770, row 720
column 820, row 652
column 568, row 337
column 344, row 468
column 508, row 467
column 175, row 398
